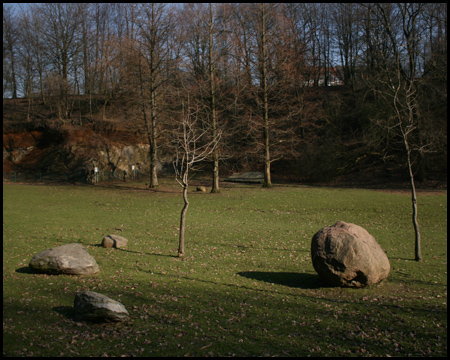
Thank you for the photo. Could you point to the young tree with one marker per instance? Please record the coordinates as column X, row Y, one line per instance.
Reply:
column 398, row 84
column 191, row 147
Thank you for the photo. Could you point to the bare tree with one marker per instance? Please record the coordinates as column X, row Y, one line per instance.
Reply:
column 191, row 148
column 212, row 107
column 266, row 37
column 398, row 84
column 60, row 31
column 347, row 20
column 254, row 37
column 155, row 29
column 31, row 36
column 199, row 51
column 10, row 44
column 263, row 68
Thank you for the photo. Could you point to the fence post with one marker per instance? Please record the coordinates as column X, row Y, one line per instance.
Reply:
column 15, row 178
column 40, row 176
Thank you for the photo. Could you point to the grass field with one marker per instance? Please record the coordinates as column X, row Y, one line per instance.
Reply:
column 246, row 286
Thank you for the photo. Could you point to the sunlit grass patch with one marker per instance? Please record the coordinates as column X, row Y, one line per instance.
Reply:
column 246, row 286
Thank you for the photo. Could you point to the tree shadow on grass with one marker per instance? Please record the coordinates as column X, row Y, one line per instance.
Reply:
column 135, row 252
column 290, row 279
column 150, row 254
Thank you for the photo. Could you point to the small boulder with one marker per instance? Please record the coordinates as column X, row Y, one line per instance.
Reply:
column 345, row 254
column 72, row 259
column 93, row 306
column 115, row 241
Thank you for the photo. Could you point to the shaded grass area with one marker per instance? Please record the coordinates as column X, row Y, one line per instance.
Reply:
column 246, row 286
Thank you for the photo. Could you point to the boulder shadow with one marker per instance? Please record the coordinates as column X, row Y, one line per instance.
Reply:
column 27, row 270
column 290, row 279
column 70, row 313
column 67, row 311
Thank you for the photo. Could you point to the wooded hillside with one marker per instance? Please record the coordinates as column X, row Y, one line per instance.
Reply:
column 305, row 92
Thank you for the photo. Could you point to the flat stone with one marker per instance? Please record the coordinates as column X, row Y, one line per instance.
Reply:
column 71, row 259
column 114, row 241
column 93, row 306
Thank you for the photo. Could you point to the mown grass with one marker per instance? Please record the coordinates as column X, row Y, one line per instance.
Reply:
column 246, row 286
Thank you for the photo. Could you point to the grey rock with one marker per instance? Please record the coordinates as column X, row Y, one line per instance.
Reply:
column 345, row 254
column 72, row 259
column 93, row 306
column 115, row 241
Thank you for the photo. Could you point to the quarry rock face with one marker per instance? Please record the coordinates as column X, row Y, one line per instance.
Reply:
column 82, row 150
column 71, row 259
column 124, row 156
column 93, row 306
column 114, row 241
column 345, row 254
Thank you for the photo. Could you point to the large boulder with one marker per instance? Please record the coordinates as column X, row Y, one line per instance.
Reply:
column 345, row 254
column 72, row 259
column 115, row 241
column 93, row 306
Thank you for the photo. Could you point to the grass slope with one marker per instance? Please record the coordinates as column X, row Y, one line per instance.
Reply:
column 246, row 287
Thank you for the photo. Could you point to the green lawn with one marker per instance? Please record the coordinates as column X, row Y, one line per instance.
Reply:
column 246, row 286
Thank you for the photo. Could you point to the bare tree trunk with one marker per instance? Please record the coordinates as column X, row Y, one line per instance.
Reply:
column 215, row 185
column 417, row 250
column 154, row 172
column 405, row 132
column 267, row 178
column 183, row 215
column 14, row 93
column 153, row 144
